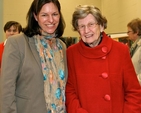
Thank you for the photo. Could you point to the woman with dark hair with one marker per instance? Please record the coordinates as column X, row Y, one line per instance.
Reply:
column 34, row 63
column 33, row 26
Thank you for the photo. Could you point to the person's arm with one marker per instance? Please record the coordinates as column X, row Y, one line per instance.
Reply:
column 132, row 89
column 139, row 64
column 9, row 73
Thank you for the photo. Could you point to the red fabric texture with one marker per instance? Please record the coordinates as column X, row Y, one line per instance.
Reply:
column 101, row 79
column 1, row 52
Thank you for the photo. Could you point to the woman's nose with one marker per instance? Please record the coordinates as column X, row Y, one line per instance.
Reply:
column 86, row 29
column 12, row 33
column 50, row 19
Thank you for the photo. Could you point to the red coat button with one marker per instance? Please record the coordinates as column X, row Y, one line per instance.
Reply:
column 107, row 97
column 104, row 49
column 104, row 57
column 105, row 75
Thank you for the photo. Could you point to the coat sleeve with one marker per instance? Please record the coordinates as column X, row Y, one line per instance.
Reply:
column 72, row 101
column 9, row 74
column 132, row 89
column 139, row 66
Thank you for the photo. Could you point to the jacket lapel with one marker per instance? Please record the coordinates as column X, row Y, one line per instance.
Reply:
column 34, row 50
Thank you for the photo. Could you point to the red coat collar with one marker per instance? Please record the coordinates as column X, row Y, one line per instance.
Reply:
column 99, row 51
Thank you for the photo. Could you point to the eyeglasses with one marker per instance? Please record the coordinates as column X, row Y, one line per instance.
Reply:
column 89, row 25
column 129, row 32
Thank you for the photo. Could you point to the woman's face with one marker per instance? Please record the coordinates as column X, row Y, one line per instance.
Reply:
column 48, row 18
column 131, row 35
column 11, row 31
column 89, row 29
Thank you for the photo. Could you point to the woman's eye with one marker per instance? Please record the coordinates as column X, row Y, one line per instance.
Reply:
column 9, row 30
column 55, row 14
column 43, row 15
column 82, row 26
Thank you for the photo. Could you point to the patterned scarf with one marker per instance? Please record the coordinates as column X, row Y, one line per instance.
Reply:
column 51, row 55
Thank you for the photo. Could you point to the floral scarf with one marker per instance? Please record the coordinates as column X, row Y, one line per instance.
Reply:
column 52, row 62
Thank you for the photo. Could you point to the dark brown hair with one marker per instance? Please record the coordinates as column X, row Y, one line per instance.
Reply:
column 32, row 27
column 17, row 25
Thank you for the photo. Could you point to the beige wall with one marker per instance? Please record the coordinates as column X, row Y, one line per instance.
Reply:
column 68, row 6
column 17, row 9
column 118, row 12
column 1, row 20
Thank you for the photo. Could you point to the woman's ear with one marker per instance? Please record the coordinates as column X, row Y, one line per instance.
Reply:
column 35, row 17
column 101, row 28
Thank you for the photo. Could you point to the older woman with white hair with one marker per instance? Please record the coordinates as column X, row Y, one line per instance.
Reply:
column 101, row 76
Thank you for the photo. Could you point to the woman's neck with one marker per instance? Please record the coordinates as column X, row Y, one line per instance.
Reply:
column 96, row 42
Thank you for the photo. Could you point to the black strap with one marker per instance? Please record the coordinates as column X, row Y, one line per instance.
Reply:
column 132, row 51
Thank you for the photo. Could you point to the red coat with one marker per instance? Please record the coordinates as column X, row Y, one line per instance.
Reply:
column 101, row 79
column 1, row 52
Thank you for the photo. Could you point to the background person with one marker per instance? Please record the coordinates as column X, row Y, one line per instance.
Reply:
column 134, row 34
column 101, row 77
column 34, row 63
column 10, row 28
